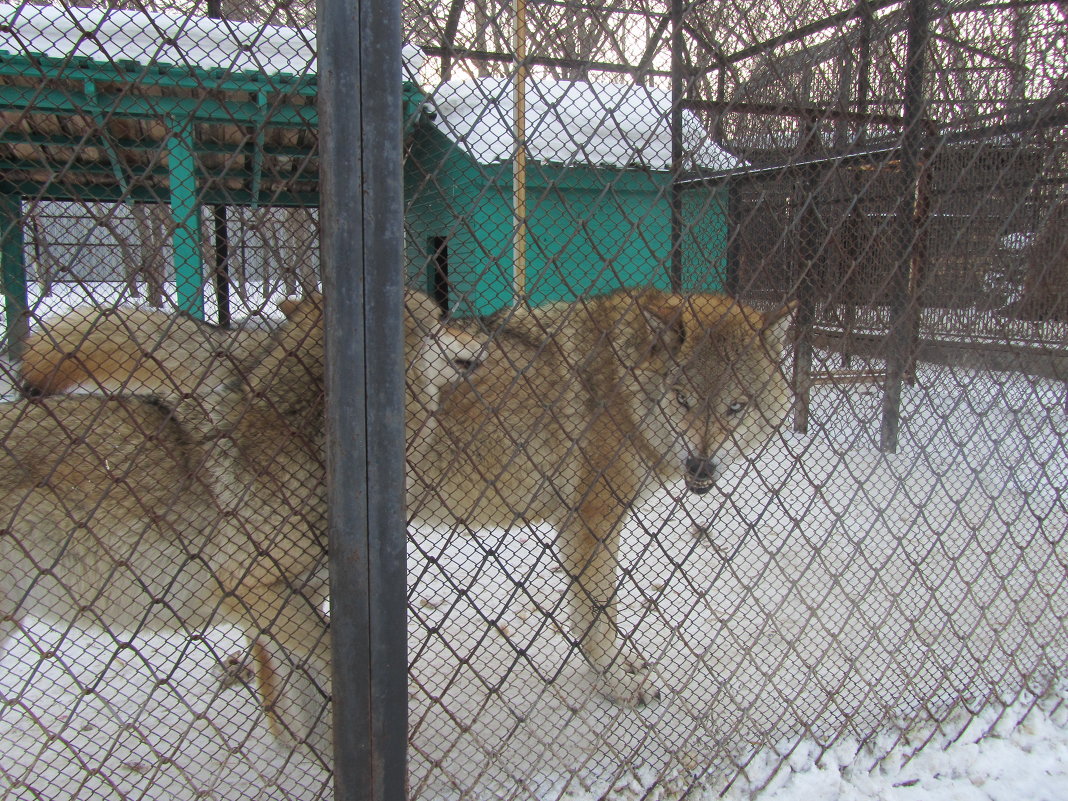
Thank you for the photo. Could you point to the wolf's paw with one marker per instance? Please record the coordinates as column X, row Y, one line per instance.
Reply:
column 235, row 670
column 630, row 685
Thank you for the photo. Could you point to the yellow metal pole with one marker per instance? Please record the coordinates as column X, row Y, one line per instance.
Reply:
column 519, row 159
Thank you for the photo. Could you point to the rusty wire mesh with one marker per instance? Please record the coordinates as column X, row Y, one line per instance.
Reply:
column 879, row 553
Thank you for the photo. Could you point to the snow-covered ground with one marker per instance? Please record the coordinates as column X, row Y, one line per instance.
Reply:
column 839, row 595
column 839, row 591
column 1001, row 755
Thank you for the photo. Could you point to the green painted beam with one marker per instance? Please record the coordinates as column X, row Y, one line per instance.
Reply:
column 122, row 104
column 73, row 172
column 161, row 194
column 10, row 137
column 162, row 75
column 185, row 212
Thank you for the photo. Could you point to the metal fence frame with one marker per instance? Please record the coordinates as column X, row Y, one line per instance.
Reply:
column 361, row 245
column 362, row 238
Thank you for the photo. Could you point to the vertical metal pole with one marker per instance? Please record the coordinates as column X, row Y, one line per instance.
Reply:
column 519, row 163
column 863, row 94
column 185, row 212
column 361, row 250
column 678, row 87
column 221, row 245
column 904, row 314
column 918, row 263
column 867, row 20
column 809, row 240
column 221, row 268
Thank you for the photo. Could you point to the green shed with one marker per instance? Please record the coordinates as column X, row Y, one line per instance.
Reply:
column 598, row 193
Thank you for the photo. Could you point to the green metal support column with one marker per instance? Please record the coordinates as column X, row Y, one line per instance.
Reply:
column 13, row 269
column 185, row 211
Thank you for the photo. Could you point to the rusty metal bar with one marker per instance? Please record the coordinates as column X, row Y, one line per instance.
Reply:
column 452, row 24
column 798, row 34
column 544, row 61
column 786, row 110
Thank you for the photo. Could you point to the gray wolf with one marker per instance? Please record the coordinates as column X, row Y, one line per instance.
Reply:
column 573, row 413
column 570, row 413
column 180, row 514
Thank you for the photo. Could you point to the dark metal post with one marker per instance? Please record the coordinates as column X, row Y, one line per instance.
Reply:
column 864, row 68
column 678, row 86
column 362, row 237
column 918, row 262
column 220, row 268
column 856, row 183
column 810, row 240
column 903, row 309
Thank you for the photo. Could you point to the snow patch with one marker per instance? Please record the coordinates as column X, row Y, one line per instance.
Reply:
column 572, row 122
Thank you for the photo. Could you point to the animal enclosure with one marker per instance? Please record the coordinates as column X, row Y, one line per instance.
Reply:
column 637, row 566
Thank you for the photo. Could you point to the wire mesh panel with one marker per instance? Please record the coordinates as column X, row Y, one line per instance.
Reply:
column 735, row 346
column 163, row 512
column 752, row 449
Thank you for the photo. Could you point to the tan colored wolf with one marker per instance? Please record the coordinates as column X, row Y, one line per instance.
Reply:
column 142, row 516
column 569, row 413
column 572, row 413
column 187, row 510
column 93, row 350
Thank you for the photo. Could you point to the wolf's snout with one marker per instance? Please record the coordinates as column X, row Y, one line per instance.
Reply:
column 466, row 365
column 700, row 475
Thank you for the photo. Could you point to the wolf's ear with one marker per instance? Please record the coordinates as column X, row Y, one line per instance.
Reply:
column 776, row 324
column 666, row 330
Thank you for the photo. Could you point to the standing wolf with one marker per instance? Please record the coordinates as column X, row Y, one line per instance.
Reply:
column 570, row 413
column 577, row 411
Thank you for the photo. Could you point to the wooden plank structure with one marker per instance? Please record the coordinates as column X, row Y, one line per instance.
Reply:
column 186, row 137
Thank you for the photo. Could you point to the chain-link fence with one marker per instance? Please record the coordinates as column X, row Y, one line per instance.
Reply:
column 735, row 347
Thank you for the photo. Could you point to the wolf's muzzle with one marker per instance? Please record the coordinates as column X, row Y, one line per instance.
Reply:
column 700, row 475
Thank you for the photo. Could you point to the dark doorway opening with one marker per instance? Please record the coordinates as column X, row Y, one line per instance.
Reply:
column 438, row 272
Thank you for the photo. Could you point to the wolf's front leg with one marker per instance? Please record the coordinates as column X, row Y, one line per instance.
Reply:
column 588, row 545
column 291, row 650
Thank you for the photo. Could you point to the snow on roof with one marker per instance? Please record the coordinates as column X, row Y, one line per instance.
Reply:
column 111, row 35
column 572, row 122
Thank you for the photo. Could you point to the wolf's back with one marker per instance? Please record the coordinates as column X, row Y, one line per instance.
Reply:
column 135, row 350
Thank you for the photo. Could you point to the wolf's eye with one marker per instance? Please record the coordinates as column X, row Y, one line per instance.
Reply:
column 736, row 408
column 683, row 400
